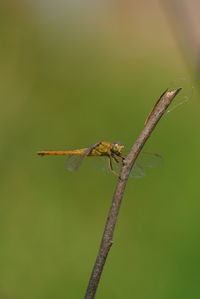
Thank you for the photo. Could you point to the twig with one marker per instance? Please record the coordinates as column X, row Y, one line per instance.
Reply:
column 158, row 110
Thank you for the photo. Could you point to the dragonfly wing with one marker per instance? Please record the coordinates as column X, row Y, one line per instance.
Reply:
column 145, row 160
column 137, row 171
column 149, row 160
column 74, row 161
column 101, row 163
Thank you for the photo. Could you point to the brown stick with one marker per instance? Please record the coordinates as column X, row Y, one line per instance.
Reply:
column 158, row 110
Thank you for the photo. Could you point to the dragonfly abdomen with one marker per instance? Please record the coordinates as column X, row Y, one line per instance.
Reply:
column 62, row 153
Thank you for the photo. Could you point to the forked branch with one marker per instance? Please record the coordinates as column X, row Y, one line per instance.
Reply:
column 156, row 113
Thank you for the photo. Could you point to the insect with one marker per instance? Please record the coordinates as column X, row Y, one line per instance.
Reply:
column 113, row 151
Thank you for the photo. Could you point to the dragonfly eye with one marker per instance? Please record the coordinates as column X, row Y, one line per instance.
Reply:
column 117, row 148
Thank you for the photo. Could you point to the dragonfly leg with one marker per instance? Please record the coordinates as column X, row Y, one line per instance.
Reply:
column 111, row 167
column 116, row 159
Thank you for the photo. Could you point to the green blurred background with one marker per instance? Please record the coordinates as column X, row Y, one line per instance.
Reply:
column 74, row 73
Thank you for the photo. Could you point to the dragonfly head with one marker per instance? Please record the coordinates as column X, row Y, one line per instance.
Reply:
column 117, row 148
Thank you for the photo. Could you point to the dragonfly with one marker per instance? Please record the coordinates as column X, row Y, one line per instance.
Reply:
column 112, row 151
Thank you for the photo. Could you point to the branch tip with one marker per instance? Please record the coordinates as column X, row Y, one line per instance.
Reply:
column 153, row 118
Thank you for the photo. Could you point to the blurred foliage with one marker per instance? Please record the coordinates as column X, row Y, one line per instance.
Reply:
column 72, row 75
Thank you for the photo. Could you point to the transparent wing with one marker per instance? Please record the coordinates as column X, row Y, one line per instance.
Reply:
column 101, row 163
column 74, row 162
column 150, row 160
column 137, row 171
column 145, row 160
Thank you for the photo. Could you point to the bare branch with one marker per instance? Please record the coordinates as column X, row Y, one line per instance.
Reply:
column 158, row 110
